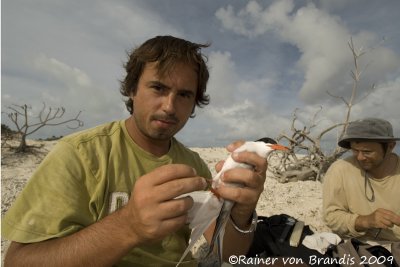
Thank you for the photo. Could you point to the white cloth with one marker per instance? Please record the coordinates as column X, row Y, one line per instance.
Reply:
column 321, row 241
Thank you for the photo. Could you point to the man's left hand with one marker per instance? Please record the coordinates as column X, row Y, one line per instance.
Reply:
column 252, row 179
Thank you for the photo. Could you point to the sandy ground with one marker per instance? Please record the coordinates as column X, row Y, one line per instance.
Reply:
column 302, row 200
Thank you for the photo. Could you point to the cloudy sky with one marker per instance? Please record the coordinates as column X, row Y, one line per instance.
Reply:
column 267, row 58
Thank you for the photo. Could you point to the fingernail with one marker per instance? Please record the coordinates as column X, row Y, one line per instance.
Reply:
column 230, row 147
column 195, row 172
column 221, row 177
column 235, row 155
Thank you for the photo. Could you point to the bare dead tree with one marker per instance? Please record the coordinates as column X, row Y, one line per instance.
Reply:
column 19, row 115
column 355, row 75
column 313, row 162
column 305, row 159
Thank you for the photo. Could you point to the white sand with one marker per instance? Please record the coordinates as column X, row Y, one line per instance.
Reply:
column 301, row 200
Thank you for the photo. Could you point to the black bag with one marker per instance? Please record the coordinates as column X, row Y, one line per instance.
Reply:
column 271, row 239
column 354, row 252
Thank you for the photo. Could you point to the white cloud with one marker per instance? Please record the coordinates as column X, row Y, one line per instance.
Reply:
column 321, row 40
column 382, row 102
column 246, row 120
column 252, row 20
column 129, row 23
column 223, row 77
column 71, row 76
column 239, row 106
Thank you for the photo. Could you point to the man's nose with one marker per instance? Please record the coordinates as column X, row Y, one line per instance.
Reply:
column 169, row 104
column 360, row 155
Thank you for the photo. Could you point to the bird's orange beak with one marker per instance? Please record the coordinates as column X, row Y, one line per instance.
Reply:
column 277, row 147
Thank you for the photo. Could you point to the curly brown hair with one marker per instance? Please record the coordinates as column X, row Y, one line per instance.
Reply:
column 166, row 51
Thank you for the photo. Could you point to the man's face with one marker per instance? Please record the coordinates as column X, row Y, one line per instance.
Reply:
column 162, row 105
column 369, row 155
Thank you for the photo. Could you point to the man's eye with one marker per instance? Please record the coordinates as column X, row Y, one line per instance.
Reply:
column 157, row 87
column 186, row 95
column 365, row 153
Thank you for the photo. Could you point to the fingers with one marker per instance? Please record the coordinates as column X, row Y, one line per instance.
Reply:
column 219, row 165
column 396, row 220
column 252, row 179
column 247, row 178
column 171, row 209
column 253, row 185
column 170, row 181
column 154, row 209
column 385, row 218
column 241, row 195
column 232, row 146
column 177, row 187
column 390, row 219
column 259, row 163
column 175, row 208
column 170, row 172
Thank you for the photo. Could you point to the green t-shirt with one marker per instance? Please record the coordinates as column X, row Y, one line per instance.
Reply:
column 87, row 176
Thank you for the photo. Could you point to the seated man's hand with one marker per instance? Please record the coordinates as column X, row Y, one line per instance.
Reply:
column 380, row 218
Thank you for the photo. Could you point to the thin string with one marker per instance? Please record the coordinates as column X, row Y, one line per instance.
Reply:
column 367, row 181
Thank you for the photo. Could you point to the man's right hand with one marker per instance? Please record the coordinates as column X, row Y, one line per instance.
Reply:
column 152, row 211
column 380, row 218
column 151, row 214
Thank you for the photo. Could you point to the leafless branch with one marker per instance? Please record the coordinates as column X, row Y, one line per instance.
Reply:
column 313, row 163
column 19, row 116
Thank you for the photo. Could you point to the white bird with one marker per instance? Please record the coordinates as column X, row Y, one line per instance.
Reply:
column 208, row 207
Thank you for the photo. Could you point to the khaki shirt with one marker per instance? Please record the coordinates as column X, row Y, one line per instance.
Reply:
column 344, row 199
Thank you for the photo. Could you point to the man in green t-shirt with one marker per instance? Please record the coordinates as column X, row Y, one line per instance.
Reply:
column 108, row 195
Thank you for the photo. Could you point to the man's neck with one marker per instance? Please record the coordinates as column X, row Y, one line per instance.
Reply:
column 388, row 167
column 156, row 147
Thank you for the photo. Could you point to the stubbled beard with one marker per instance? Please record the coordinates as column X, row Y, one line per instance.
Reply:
column 160, row 134
column 170, row 118
column 370, row 165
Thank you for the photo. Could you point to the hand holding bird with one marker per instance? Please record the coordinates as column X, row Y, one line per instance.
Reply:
column 208, row 205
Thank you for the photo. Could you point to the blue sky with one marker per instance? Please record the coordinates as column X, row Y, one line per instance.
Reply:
column 266, row 59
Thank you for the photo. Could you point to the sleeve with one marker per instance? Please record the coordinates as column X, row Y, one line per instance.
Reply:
column 54, row 203
column 336, row 213
column 204, row 170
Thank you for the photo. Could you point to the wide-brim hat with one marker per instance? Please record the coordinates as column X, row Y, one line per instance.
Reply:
column 369, row 129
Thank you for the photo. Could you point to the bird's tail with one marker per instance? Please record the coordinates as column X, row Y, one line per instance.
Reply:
column 219, row 231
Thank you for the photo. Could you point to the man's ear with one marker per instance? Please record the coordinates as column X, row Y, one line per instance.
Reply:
column 391, row 146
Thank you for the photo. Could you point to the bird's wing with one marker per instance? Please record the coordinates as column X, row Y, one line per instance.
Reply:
column 204, row 211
